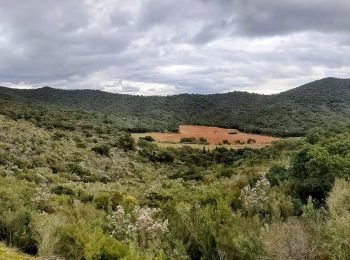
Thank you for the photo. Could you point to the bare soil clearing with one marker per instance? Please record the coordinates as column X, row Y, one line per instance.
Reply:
column 213, row 135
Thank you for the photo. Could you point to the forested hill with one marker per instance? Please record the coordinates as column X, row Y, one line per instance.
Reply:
column 325, row 102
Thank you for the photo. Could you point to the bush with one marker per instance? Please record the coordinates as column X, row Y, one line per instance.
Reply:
column 336, row 241
column 188, row 140
column 77, row 169
column 251, row 141
column 315, row 168
column 85, row 242
column 107, row 200
column 277, row 174
column 62, row 190
column 225, row 141
column 19, row 231
column 126, row 142
column 202, row 140
column 142, row 226
column 240, row 239
column 147, row 138
column 289, row 240
column 226, row 172
column 102, row 150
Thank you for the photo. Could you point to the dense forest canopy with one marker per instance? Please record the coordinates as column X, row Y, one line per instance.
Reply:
column 75, row 185
column 291, row 113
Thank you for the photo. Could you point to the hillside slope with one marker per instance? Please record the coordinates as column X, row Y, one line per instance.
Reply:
column 321, row 103
column 72, row 186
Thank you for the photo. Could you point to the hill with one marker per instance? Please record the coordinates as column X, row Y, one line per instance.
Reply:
column 320, row 103
column 72, row 186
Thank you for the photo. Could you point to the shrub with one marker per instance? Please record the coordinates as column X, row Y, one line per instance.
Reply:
column 289, row 240
column 254, row 197
column 225, row 141
column 161, row 156
column 62, row 190
column 45, row 228
column 188, row 140
column 126, row 142
column 148, row 138
column 86, row 242
column 107, row 200
column 143, row 226
column 240, row 239
column 102, row 150
column 277, row 174
column 202, row 140
column 337, row 242
column 315, row 168
column 226, row 172
column 77, row 169
column 314, row 135
column 251, row 141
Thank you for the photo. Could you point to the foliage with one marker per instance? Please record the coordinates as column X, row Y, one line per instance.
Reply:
column 141, row 226
column 74, row 185
column 147, row 138
column 126, row 142
column 321, row 103
column 188, row 140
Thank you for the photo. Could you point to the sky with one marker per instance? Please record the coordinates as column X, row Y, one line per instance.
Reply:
column 166, row 47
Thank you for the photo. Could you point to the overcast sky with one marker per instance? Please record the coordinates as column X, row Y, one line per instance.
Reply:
column 162, row 47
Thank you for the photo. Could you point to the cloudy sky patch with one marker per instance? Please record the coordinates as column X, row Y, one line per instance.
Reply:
column 165, row 47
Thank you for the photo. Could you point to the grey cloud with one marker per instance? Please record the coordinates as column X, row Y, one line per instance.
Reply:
column 269, row 17
column 196, row 46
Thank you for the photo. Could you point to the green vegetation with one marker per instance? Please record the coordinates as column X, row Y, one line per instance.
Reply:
column 225, row 141
column 8, row 253
column 148, row 138
column 74, row 185
column 291, row 113
column 202, row 140
column 188, row 140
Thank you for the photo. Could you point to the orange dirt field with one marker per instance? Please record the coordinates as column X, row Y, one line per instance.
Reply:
column 214, row 135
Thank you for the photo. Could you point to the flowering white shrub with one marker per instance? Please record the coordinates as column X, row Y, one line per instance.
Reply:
column 254, row 198
column 141, row 226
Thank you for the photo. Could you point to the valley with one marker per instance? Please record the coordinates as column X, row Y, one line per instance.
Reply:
column 209, row 136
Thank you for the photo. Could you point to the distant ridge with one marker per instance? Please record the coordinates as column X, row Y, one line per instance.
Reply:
column 323, row 102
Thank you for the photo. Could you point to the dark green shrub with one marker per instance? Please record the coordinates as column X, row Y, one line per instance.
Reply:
column 188, row 140
column 84, row 196
column 102, row 200
column 85, row 242
column 202, row 140
column 77, row 169
column 62, row 190
column 277, row 174
column 102, row 150
column 126, row 142
column 19, row 232
column 107, row 200
column 225, row 141
column 226, row 172
column 148, row 138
